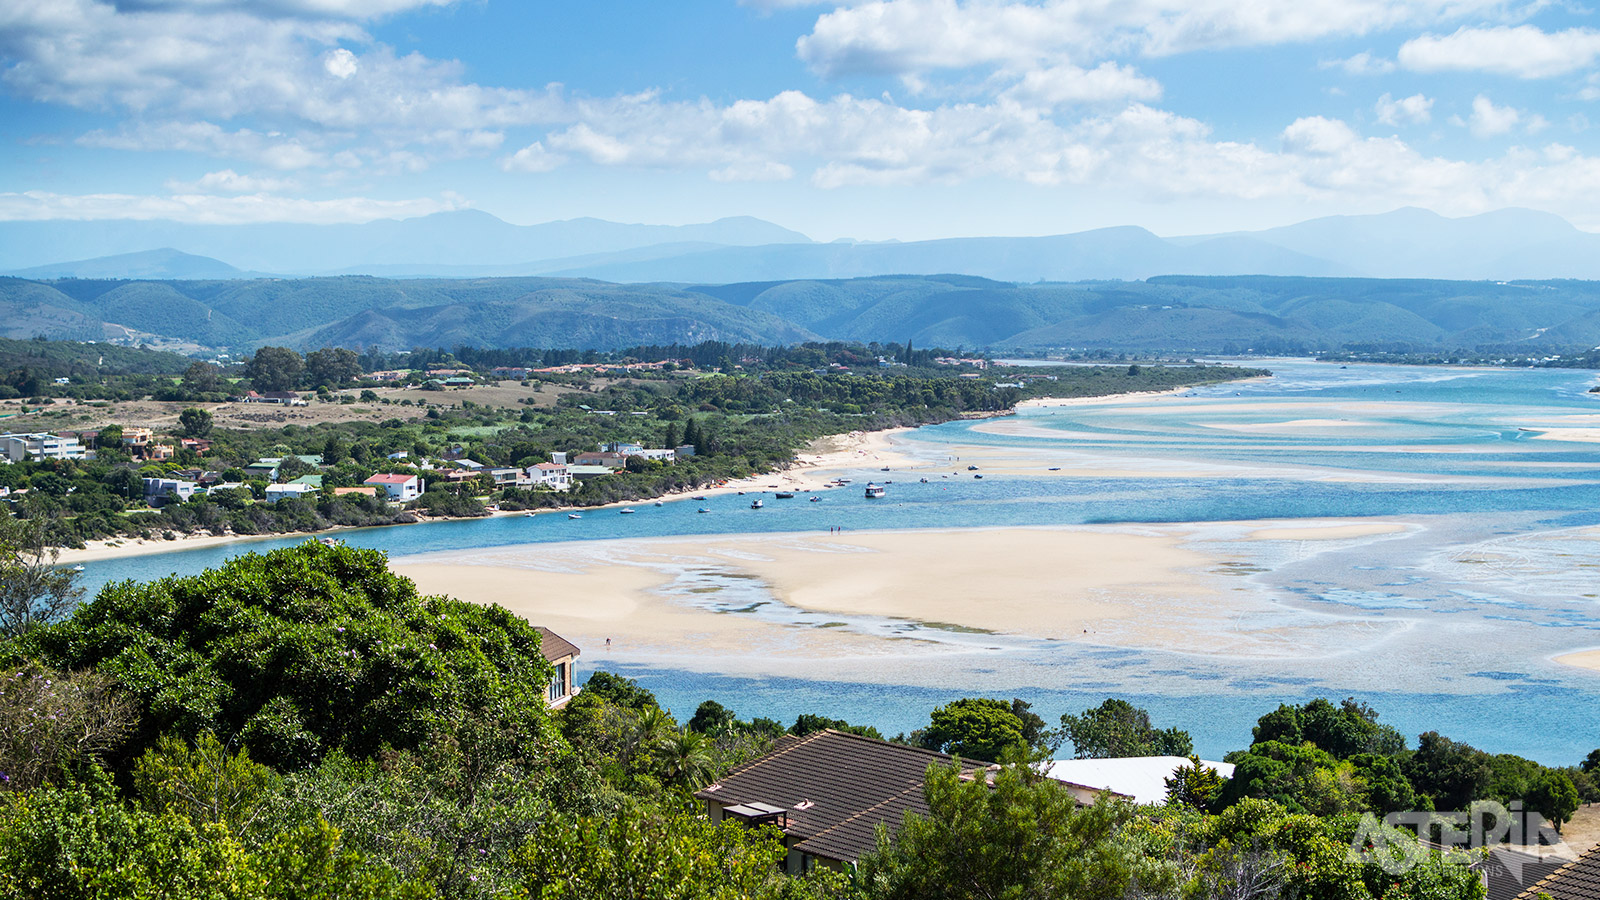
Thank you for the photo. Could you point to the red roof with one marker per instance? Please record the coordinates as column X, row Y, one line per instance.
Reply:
column 389, row 479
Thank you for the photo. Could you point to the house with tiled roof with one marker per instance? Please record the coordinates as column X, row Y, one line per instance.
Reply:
column 828, row 792
column 563, row 655
column 1577, row 880
column 399, row 487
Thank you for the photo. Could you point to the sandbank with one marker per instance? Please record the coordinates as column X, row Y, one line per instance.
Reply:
column 1328, row 532
column 1583, row 659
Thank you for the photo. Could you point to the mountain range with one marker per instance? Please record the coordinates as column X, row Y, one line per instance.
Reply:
column 1406, row 243
column 1194, row 314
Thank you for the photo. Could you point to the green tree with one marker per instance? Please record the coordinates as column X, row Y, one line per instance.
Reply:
column 301, row 651
column 203, row 782
column 1343, row 730
column 1021, row 836
column 274, row 369
column 202, row 378
column 196, row 422
column 332, row 367
column 671, row 854
column 1196, row 785
column 1117, row 728
column 34, row 589
column 973, row 728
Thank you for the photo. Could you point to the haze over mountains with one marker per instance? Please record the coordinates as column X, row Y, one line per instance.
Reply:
column 1407, row 243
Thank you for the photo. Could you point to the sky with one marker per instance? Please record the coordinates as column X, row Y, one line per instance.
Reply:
column 873, row 120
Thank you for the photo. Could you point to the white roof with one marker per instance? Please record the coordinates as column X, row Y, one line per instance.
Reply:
column 1141, row 777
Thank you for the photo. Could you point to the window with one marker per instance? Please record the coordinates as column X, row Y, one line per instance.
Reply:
column 558, row 684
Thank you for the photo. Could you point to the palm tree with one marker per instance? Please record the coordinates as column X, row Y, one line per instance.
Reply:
column 686, row 759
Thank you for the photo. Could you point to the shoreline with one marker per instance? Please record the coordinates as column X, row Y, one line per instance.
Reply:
column 830, row 454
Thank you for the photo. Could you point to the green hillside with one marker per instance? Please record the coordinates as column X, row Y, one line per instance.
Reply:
column 1205, row 314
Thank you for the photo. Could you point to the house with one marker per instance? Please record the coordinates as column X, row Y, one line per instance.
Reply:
column 388, row 375
column 40, row 445
column 504, row 476
column 828, row 792
column 200, row 446
column 459, row 381
column 1505, row 872
column 315, row 481
column 555, row 476
column 276, row 492
column 158, row 452
column 577, row 471
column 609, row 458
column 136, row 438
column 265, row 469
column 623, row 448
column 1143, row 779
column 399, row 454
column 281, row 398
column 563, row 655
column 1577, row 880
column 63, row 380
column 401, row 488
column 158, row 491
column 514, row 372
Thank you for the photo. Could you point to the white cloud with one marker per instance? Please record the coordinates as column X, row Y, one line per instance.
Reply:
column 274, row 150
column 1413, row 110
column 319, row 75
column 532, row 158
column 1489, row 120
column 901, row 36
column 1363, row 63
column 215, row 210
column 1066, row 85
column 1524, row 51
column 227, row 181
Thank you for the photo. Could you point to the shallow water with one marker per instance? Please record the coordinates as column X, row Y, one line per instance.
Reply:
column 1449, row 625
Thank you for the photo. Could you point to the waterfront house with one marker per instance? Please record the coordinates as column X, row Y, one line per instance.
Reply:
column 828, row 792
column 297, row 488
column 400, row 488
column 555, row 476
column 158, row 491
column 563, row 655
column 608, row 458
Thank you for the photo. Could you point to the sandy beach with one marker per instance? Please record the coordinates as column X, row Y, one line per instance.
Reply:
column 1583, row 659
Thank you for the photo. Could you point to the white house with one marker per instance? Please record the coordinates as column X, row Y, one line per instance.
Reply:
column 276, row 492
column 401, row 488
column 39, row 445
column 554, row 476
column 161, row 490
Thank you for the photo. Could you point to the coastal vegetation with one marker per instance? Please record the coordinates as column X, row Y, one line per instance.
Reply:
column 304, row 723
column 739, row 418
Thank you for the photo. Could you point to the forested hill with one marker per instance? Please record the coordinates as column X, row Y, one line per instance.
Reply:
column 1206, row 314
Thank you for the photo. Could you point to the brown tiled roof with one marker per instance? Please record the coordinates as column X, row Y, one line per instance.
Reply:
column 554, row 646
column 1506, row 873
column 836, row 787
column 1577, row 880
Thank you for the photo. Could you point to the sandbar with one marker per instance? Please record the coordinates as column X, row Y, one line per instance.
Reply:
column 1583, row 659
column 1328, row 532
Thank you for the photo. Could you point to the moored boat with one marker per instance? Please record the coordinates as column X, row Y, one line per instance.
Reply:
column 874, row 491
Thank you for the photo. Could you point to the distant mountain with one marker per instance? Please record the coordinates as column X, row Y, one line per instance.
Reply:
column 464, row 238
column 165, row 263
column 1191, row 313
column 1415, row 243
column 1406, row 243
column 1125, row 252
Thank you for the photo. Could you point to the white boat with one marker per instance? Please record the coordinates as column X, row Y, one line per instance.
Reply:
column 77, row 568
column 659, row 503
column 874, row 491
column 574, row 516
column 703, row 509
column 528, row 514
column 627, row 512
column 756, row 504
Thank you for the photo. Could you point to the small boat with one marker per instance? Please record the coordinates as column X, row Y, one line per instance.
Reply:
column 756, row 504
column 659, row 503
column 78, row 568
column 816, row 499
column 874, row 491
column 329, row 542
column 978, row 476
column 574, row 516
column 924, row 481
column 741, row 493
column 698, row 497
column 884, row 469
column 844, row 481
column 1055, row 468
column 627, row 512
column 528, row 514
column 703, row 509
column 784, row 495
column 972, row 468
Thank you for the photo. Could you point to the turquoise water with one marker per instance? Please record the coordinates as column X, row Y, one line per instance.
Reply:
column 1449, row 626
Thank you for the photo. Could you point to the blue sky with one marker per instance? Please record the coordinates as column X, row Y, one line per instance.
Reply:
column 883, row 119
